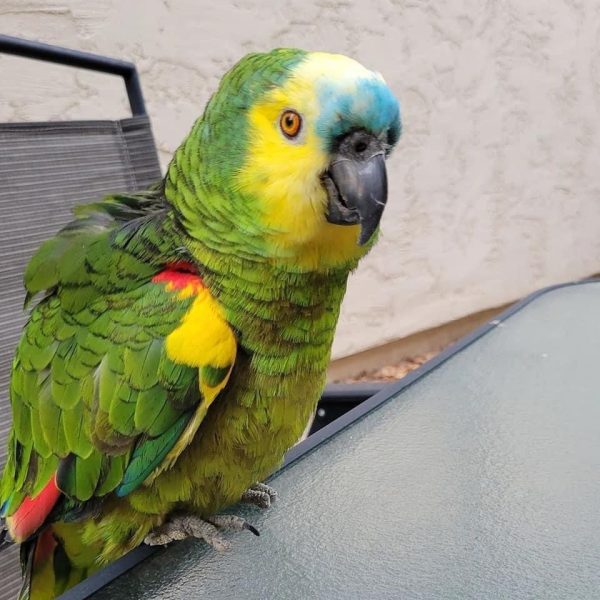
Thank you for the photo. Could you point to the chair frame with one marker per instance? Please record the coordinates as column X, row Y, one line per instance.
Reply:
column 82, row 60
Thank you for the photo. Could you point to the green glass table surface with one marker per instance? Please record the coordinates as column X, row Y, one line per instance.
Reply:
column 479, row 480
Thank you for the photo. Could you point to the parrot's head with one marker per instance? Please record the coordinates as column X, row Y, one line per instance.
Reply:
column 295, row 143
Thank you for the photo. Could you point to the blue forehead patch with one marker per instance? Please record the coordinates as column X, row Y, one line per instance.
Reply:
column 371, row 106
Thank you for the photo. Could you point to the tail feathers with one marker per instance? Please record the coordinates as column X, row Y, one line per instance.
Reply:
column 47, row 571
column 27, row 551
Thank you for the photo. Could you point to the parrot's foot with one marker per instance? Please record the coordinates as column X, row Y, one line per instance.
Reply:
column 259, row 494
column 185, row 526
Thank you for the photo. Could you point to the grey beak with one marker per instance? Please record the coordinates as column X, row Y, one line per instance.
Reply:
column 362, row 185
column 356, row 184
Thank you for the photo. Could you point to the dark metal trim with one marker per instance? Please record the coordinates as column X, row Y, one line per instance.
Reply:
column 97, row 581
column 356, row 391
column 82, row 60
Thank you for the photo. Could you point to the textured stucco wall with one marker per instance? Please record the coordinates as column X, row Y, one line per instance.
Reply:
column 495, row 188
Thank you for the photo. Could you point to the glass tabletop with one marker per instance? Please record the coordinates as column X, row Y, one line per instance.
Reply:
column 479, row 480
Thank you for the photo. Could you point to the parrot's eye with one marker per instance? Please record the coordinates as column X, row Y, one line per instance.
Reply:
column 290, row 123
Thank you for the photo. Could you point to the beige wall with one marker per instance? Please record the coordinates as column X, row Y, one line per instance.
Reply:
column 495, row 187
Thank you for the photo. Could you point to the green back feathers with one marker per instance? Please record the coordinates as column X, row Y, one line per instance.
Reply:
column 89, row 250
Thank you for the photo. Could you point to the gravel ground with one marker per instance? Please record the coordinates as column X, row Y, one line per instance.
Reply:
column 392, row 372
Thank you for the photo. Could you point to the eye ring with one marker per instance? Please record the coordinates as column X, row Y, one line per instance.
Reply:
column 290, row 124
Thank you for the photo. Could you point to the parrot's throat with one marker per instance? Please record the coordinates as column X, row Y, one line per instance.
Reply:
column 287, row 316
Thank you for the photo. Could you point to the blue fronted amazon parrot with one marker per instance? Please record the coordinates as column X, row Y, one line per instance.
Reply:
column 178, row 339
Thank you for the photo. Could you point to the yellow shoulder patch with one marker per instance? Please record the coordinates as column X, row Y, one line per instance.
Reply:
column 203, row 340
column 204, row 337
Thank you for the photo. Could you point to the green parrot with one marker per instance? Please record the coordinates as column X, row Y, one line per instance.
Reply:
column 181, row 336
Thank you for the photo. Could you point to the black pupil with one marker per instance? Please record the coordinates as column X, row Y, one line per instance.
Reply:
column 289, row 121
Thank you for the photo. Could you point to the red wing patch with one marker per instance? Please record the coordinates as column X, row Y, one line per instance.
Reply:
column 32, row 512
column 179, row 275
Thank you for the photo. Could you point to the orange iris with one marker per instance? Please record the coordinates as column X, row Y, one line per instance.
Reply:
column 290, row 123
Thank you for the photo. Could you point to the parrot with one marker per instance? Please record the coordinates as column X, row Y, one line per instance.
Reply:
column 178, row 338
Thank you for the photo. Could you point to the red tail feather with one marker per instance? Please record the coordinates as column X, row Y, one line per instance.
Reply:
column 45, row 545
column 32, row 513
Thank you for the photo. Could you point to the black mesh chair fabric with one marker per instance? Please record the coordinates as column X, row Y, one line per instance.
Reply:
column 45, row 170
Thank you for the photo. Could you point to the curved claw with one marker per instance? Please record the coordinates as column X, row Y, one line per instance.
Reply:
column 251, row 528
column 232, row 523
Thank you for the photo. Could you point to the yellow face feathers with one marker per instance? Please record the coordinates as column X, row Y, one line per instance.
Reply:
column 283, row 171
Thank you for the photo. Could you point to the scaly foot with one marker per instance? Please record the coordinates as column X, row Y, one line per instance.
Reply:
column 181, row 527
column 259, row 494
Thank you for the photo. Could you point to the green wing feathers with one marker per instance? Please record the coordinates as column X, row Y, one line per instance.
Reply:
column 96, row 399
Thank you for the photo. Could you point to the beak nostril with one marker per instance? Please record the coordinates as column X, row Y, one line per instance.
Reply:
column 360, row 146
